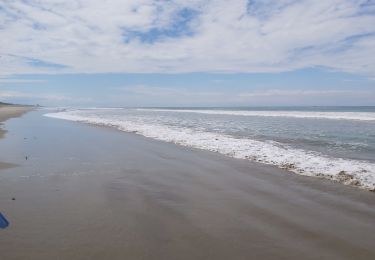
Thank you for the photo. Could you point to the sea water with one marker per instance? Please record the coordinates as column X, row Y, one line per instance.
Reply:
column 332, row 142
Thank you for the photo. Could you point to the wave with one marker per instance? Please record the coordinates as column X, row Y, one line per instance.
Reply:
column 362, row 116
column 308, row 163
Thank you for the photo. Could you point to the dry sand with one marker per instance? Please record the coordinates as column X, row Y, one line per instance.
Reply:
column 9, row 111
column 96, row 193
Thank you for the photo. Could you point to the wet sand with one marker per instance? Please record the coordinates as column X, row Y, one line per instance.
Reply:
column 96, row 193
column 6, row 112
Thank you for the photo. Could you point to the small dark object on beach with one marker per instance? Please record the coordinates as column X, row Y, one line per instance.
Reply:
column 26, row 158
column 3, row 221
column 344, row 177
column 13, row 198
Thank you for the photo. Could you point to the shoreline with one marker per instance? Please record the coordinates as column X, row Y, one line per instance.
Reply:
column 150, row 199
column 8, row 111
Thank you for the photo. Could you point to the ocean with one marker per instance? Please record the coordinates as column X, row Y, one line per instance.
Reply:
column 336, row 143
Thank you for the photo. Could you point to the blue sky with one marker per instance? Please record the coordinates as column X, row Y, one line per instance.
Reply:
column 187, row 53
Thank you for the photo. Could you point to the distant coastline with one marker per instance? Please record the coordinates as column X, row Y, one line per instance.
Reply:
column 16, row 105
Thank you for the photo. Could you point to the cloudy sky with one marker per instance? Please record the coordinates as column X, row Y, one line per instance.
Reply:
column 187, row 52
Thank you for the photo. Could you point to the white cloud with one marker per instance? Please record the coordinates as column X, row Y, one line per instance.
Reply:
column 151, row 91
column 168, row 96
column 223, row 36
column 7, row 95
column 301, row 93
column 8, row 80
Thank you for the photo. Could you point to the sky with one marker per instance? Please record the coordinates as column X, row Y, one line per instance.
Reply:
column 90, row 53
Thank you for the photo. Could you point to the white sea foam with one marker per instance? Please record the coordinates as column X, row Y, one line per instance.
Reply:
column 362, row 116
column 350, row 172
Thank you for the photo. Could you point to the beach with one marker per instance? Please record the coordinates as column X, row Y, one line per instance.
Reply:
column 6, row 112
column 81, row 191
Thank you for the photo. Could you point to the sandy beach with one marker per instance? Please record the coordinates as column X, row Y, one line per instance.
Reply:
column 6, row 112
column 87, row 192
column 9, row 111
